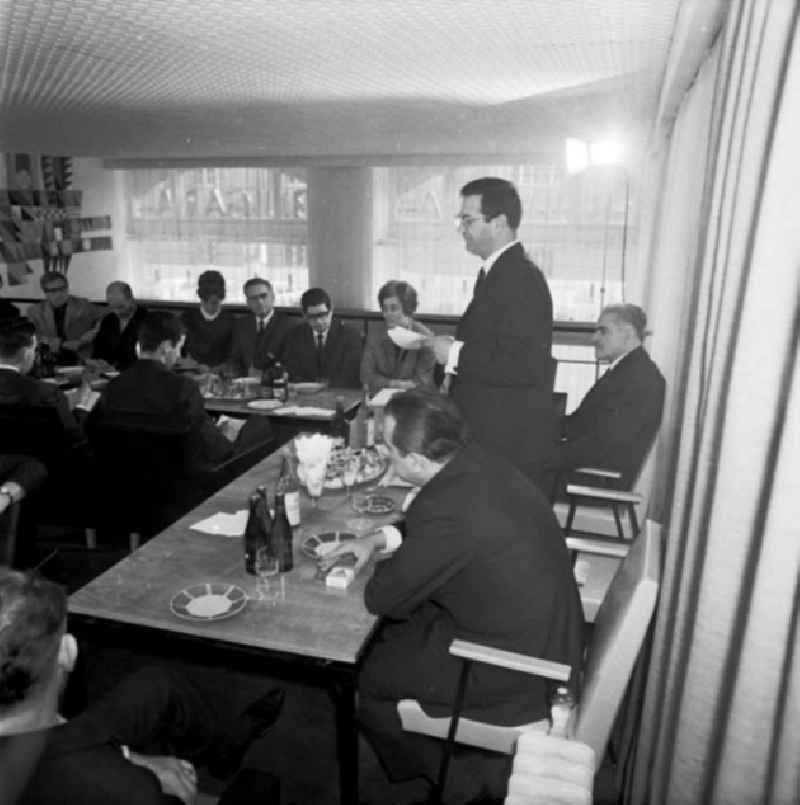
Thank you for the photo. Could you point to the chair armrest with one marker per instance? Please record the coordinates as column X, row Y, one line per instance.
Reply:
column 615, row 495
column 599, row 473
column 511, row 660
column 602, row 546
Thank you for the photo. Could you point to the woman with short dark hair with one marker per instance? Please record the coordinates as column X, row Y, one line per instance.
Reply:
column 385, row 364
column 209, row 327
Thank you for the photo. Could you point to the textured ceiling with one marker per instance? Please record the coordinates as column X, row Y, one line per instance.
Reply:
column 266, row 77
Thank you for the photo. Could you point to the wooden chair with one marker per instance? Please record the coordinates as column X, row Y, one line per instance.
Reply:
column 619, row 631
column 147, row 478
column 616, row 499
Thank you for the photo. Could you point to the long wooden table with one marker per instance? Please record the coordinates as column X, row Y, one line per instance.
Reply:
column 311, row 632
column 285, row 424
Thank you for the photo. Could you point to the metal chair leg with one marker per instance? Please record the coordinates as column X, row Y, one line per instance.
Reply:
column 447, row 750
column 634, row 522
column 570, row 517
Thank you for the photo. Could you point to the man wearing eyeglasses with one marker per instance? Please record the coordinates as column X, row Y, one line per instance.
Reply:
column 258, row 339
column 66, row 323
column 499, row 365
column 323, row 348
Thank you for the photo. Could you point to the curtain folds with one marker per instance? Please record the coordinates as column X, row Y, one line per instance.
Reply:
column 721, row 719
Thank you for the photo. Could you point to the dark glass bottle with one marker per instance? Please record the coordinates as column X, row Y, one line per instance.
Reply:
column 289, row 488
column 282, row 535
column 280, row 382
column 257, row 533
column 268, row 374
column 339, row 427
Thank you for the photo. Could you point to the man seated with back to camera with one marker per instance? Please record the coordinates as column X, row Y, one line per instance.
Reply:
column 136, row 746
column 322, row 348
column 618, row 418
column 483, row 559
column 150, row 387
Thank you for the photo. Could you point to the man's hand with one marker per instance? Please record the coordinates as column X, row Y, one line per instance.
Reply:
column 14, row 490
column 361, row 548
column 177, row 777
column 440, row 344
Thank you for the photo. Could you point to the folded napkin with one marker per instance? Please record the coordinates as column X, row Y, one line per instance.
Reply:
column 304, row 410
column 223, row 524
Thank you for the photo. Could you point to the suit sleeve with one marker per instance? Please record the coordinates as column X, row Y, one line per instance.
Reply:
column 216, row 448
column 423, row 371
column 369, row 375
column 351, row 359
column 426, row 560
column 25, row 471
column 509, row 345
column 237, row 358
column 73, row 433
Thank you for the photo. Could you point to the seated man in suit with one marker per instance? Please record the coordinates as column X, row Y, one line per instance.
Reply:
column 115, row 342
column 209, row 327
column 618, row 418
column 17, row 355
column 19, row 475
column 258, row 339
column 127, row 747
column 150, row 387
column 66, row 323
column 323, row 348
column 482, row 559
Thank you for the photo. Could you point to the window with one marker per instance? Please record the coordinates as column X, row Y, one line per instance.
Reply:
column 573, row 227
column 240, row 221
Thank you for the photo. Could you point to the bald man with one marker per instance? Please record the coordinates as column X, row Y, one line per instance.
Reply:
column 115, row 342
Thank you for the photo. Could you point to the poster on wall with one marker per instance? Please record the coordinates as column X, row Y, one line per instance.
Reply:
column 21, row 177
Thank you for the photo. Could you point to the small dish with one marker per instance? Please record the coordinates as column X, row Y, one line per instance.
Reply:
column 306, row 388
column 377, row 505
column 210, row 601
column 318, row 545
column 265, row 405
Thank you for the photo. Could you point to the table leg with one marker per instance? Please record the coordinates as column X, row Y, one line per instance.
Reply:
column 344, row 699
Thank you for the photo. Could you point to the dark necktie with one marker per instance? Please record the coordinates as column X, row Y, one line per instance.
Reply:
column 262, row 323
column 479, row 280
column 320, row 348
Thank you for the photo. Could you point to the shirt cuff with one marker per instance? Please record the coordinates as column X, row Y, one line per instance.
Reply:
column 451, row 367
column 394, row 539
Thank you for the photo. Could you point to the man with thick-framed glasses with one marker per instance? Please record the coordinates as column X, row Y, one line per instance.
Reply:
column 66, row 323
column 499, row 367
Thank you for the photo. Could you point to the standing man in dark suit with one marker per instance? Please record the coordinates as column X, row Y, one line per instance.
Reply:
column 618, row 418
column 258, row 339
column 482, row 559
column 323, row 348
column 500, row 362
column 115, row 342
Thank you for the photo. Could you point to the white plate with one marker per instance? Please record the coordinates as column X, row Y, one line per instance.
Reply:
column 306, row 388
column 211, row 601
column 247, row 381
column 405, row 338
column 265, row 405
column 69, row 370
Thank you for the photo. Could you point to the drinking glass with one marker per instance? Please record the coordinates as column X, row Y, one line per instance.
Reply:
column 267, row 568
column 315, row 479
column 349, row 475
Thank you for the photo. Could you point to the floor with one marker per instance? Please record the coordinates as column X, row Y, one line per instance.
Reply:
column 299, row 749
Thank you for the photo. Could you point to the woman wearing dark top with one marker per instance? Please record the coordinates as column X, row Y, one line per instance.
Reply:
column 386, row 365
column 209, row 328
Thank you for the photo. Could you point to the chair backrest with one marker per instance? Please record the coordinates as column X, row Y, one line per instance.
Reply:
column 619, row 631
column 33, row 430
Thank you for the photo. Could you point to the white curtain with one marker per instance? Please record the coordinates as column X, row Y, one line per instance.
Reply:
column 721, row 720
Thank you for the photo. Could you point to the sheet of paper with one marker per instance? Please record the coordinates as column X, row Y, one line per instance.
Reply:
column 223, row 524
column 405, row 338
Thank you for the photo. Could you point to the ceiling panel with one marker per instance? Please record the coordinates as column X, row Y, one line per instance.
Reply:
column 241, row 77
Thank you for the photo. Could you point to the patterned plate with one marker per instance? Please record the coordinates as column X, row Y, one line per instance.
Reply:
column 315, row 547
column 374, row 504
column 211, row 601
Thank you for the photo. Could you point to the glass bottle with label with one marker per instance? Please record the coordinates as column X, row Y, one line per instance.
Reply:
column 561, row 708
column 289, row 487
column 257, row 530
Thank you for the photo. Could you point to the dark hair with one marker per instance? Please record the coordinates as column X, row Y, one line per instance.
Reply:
column 401, row 291
column 629, row 314
column 498, row 197
column 33, row 615
column 119, row 285
column 427, row 423
column 52, row 276
column 14, row 335
column 157, row 326
column 313, row 297
column 211, row 283
column 255, row 281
